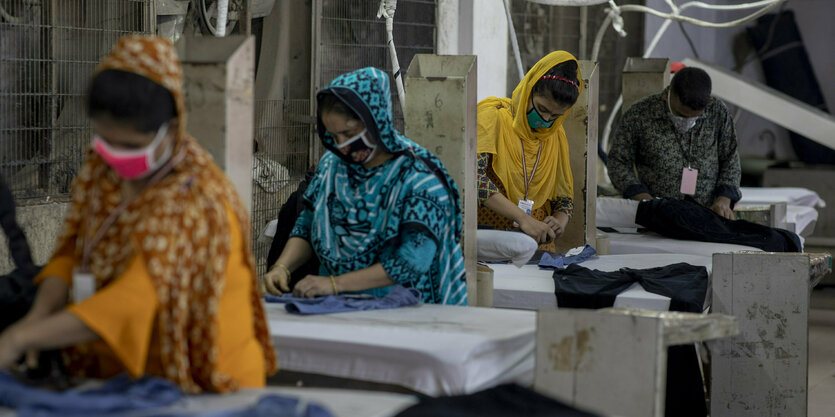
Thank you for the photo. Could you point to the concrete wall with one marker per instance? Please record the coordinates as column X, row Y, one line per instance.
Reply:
column 218, row 82
column 41, row 223
column 488, row 40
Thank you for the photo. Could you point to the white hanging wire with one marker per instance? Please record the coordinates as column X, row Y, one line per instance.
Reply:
column 222, row 18
column 386, row 10
column 514, row 41
column 614, row 11
column 614, row 18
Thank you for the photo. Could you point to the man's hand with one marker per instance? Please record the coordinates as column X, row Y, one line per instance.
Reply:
column 642, row 196
column 722, row 207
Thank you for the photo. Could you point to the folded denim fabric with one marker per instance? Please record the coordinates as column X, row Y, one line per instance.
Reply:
column 273, row 405
column 398, row 297
column 559, row 260
column 688, row 220
column 116, row 397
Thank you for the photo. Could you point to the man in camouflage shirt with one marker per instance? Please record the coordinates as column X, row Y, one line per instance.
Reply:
column 665, row 137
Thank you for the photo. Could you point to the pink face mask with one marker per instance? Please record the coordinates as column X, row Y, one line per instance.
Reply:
column 137, row 163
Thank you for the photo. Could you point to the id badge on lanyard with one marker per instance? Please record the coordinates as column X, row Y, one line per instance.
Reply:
column 83, row 286
column 689, row 176
column 524, row 204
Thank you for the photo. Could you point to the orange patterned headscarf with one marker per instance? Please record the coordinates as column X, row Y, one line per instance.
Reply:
column 178, row 226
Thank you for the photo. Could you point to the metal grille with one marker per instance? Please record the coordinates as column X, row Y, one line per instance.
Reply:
column 349, row 36
column 282, row 131
column 48, row 50
column 542, row 29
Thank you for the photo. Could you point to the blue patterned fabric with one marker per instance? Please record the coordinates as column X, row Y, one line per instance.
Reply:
column 396, row 298
column 560, row 261
column 272, row 405
column 116, row 397
column 147, row 396
column 403, row 214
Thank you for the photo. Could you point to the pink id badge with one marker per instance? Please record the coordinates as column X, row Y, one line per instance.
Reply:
column 688, row 181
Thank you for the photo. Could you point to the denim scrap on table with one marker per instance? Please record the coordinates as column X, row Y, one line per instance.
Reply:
column 396, row 298
column 560, row 261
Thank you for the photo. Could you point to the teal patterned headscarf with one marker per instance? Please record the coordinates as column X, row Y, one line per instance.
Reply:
column 362, row 216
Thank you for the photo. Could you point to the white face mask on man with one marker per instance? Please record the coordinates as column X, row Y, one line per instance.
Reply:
column 682, row 124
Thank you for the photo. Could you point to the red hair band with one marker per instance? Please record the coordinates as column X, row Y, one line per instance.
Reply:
column 557, row 77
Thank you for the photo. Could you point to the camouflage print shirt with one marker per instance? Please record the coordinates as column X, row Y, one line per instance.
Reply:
column 647, row 143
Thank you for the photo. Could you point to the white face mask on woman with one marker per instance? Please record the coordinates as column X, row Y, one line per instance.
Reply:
column 358, row 144
column 682, row 124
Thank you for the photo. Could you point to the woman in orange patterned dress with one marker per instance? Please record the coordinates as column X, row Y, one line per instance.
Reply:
column 155, row 251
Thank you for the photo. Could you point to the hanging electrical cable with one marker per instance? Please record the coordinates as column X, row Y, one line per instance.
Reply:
column 514, row 41
column 222, row 17
column 386, row 10
column 8, row 17
column 764, row 5
column 614, row 18
column 689, row 41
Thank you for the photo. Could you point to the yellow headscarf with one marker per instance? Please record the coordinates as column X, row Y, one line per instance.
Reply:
column 502, row 122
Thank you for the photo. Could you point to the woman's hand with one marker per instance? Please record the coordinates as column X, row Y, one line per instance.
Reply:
column 541, row 232
column 276, row 280
column 10, row 347
column 558, row 222
column 555, row 225
column 313, row 286
column 31, row 317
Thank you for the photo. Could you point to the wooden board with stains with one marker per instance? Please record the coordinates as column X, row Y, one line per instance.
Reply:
column 614, row 361
column 605, row 363
column 763, row 370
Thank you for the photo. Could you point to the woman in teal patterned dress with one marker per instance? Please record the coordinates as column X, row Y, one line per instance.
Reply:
column 380, row 210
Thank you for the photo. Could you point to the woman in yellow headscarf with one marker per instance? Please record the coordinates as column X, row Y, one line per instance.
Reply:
column 155, row 249
column 524, row 175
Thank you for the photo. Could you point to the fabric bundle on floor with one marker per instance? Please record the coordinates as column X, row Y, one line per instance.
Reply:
column 788, row 69
column 509, row 400
column 271, row 406
column 688, row 220
column 397, row 297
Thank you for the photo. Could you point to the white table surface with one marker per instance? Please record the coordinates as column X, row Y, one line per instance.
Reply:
column 790, row 195
column 431, row 349
column 649, row 243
